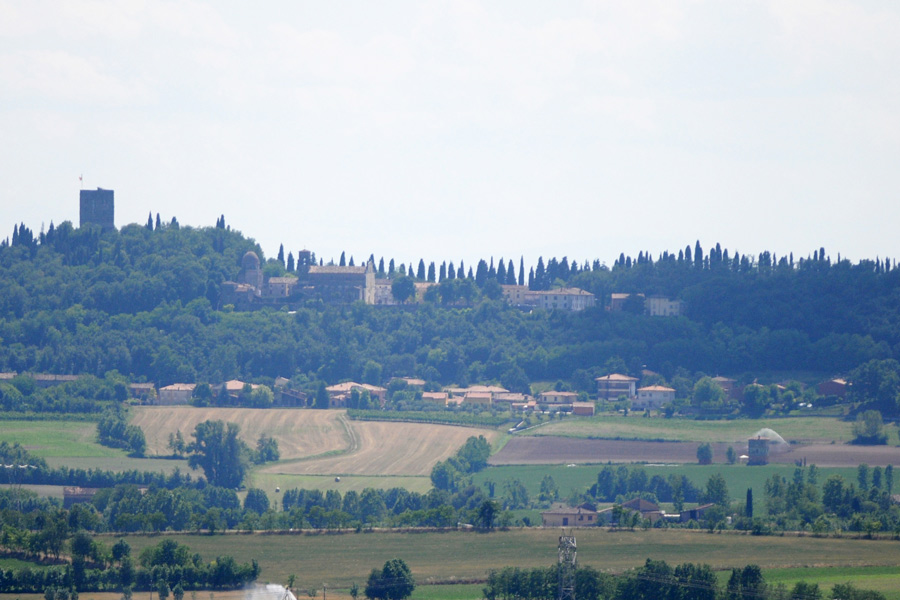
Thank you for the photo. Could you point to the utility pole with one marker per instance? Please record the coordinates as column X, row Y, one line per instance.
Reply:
column 567, row 567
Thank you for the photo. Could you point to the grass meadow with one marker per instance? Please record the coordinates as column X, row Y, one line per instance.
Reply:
column 269, row 481
column 339, row 560
column 62, row 439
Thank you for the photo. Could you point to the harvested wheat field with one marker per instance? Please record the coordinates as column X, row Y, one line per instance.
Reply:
column 300, row 433
column 386, row 448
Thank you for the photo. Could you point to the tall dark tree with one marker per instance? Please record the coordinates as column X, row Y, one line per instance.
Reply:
column 393, row 582
column 510, row 274
column 420, row 271
column 451, row 272
column 442, row 275
column 281, row 254
column 522, row 270
column 221, row 454
column 150, row 221
column 343, row 262
column 290, row 262
column 431, row 273
column 501, row 271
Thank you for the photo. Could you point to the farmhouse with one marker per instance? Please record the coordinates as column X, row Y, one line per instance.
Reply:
column 653, row 397
column 695, row 514
column 557, row 397
column 177, row 393
column 610, row 387
column 439, row 398
column 145, row 392
column 339, row 394
column 583, row 409
column 77, row 495
column 566, row 516
column 833, row 387
column 573, row 299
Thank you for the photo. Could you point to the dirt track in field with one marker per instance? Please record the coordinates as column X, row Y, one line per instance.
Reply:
column 300, row 433
column 385, row 448
column 562, row 450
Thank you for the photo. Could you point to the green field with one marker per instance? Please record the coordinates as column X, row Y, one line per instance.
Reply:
column 74, row 444
column 342, row 559
column 57, row 438
column 882, row 579
column 579, row 478
column 269, row 481
column 637, row 427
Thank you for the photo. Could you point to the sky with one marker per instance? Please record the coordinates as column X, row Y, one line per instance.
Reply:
column 462, row 130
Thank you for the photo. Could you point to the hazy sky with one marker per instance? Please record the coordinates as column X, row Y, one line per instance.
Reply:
column 449, row 130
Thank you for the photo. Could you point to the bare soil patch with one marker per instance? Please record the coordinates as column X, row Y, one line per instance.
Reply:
column 560, row 450
column 388, row 448
column 300, row 433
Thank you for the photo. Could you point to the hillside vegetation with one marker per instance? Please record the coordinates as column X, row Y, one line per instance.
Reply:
column 144, row 301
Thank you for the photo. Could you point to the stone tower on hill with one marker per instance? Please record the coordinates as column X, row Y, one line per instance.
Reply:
column 98, row 208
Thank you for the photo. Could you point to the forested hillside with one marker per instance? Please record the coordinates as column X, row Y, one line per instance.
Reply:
column 143, row 301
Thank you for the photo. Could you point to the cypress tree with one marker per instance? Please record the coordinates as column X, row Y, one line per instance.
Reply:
column 290, row 261
column 420, row 272
column 749, row 503
column 443, row 271
column 510, row 274
column 281, row 254
column 351, row 263
column 461, row 272
column 501, row 271
column 150, row 222
column 343, row 262
column 522, row 270
column 391, row 268
column 158, row 222
column 431, row 271
column 381, row 266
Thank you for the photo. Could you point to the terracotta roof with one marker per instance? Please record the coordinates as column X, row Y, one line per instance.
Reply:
column 282, row 280
column 564, row 394
column 656, row 388
column 568, row 510
column 179, row 387
column 566, row 292
column 615, row 377
column 350, row 385
column 141, row 386
column 337, row 270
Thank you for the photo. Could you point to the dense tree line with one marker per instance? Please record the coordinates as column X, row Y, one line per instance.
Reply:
column 113, row 430
column 657, row 580
column 145, row 302
column 34, row 471
column 95, row 568
column 454, row 473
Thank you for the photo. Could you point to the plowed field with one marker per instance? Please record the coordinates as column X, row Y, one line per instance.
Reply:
column 559, row 450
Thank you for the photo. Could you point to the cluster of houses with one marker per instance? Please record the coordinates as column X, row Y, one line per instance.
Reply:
column 346, row 284
column 585, row 515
